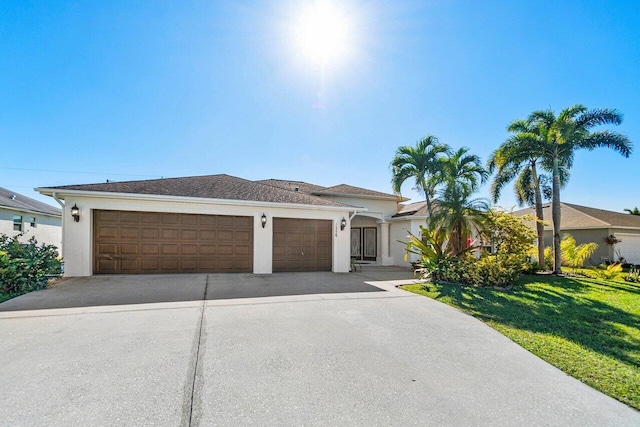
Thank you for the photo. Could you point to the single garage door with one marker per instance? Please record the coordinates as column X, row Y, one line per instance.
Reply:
column 151, row 242
column 629, row 247
column 301, row 245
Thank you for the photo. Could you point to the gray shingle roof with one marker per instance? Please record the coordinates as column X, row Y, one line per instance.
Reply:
column 412, row 209
column 210, row 187
column 24, row 203
column 350, row 190
column 303, row 187
column 576, row 216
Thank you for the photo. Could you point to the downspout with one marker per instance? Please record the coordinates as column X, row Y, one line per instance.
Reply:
column 354, row 214
column 55, row 197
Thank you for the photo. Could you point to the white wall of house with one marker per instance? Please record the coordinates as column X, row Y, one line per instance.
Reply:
column 384, row 208
column 48, row 228
column 398, row 233
column 78, row 239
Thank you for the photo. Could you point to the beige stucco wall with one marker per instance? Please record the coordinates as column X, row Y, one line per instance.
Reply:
column 77, row 236
column 48, row 228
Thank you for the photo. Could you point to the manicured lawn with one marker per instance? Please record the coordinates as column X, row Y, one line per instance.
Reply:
column 588, row 328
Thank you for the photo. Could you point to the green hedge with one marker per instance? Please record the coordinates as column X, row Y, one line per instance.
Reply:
column 26, row 267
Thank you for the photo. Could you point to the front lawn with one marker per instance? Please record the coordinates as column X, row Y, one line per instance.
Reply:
column 588, row 328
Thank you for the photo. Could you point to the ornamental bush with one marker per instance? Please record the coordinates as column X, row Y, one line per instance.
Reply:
column 26, row 267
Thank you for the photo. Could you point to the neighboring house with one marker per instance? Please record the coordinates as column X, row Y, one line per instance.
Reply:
column 587, row 224
column 22, row 215
column 221, row 223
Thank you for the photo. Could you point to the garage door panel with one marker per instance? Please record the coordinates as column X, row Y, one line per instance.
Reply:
column 186, row 249
column 128, row 265
column 106, row 232
column 150, row 218
column 129, row 248
column 150, row 233
column 148, row 242
column 170, row 249
column 170, row 219
column 207, row 235
column 301, row 245
column 189, row 234
column 150, row 249
column 129, row 217
column 225, row 236
column 150, row 264
column 107, row 248
column 107, row 265
column 129, row 233
column 170, row 234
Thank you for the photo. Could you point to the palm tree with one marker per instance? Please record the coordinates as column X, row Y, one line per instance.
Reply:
column 563, row 135
column 633, row 211
column 421, row 164
column 518, row 158
column 459, row 213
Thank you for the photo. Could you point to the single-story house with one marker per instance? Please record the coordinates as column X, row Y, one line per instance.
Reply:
column 27, row 217
column 587, row 224
column 221, row 223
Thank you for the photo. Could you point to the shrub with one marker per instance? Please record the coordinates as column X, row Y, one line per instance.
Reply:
column 575, row 255
column 609, row 272
column 633, row 276
column 548, row 256
column 25, row 267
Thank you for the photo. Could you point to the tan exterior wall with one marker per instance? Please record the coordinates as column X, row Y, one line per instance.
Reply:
column 583, row 236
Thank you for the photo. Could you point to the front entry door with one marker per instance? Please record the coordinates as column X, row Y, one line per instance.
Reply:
column 364, row 243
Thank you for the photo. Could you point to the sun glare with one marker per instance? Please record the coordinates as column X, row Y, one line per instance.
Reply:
column 322, row 32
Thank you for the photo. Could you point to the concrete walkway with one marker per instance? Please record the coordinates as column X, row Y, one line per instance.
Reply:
column 361, row 352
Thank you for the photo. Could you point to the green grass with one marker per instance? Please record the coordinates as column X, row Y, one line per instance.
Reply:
column 588, row 328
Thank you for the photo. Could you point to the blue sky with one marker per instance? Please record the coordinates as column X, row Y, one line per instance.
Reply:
column 124, row 90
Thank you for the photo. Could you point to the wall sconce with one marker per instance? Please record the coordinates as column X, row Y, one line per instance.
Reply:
column 75, row 213
column 343, row 224
column 263, row 219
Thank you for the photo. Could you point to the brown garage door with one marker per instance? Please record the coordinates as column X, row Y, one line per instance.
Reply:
column 301, row 245
column 151, row 242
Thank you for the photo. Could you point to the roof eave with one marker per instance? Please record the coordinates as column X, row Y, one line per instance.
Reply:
column 31, row 211
column 61, row 193
column 359, row 196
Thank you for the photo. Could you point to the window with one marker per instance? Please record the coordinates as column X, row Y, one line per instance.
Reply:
column 17, row 223
column 32, row 221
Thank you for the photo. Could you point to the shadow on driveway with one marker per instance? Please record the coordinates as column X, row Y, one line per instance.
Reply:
column 115, row 290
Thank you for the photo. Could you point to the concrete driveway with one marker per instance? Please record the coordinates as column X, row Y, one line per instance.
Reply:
column 285, row 349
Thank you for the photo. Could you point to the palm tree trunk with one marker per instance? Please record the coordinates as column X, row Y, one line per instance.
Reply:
column 539, row 215
column 555, row 215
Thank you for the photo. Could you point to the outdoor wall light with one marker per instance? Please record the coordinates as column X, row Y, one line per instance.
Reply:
column 343, row 224
column 263, row 219
column 75, row 213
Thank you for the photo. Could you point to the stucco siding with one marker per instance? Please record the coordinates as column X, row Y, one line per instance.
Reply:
column 77, row 238
column 399, row 234
column 48, row 229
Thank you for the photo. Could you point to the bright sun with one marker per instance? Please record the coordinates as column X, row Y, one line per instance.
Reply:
column 322, row 32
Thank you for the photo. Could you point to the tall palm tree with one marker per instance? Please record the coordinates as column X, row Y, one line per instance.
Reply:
column 518, row 158
column 634, row 211
column 461, row 173
column 562, row 136
column 421, row 164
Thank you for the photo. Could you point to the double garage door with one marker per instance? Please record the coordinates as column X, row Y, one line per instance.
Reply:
column 126, row 242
